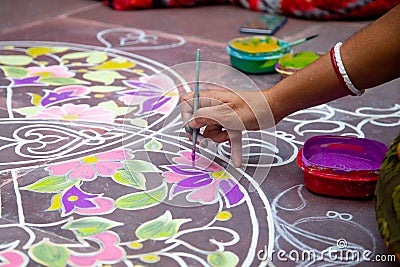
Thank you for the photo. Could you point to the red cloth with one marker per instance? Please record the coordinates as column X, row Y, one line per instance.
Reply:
column 337, row 9
column 312, row 9
column 146, row 4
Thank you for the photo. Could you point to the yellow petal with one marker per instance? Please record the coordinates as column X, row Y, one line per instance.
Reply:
column 113, row 65
column 55, row 203
column 38, row 51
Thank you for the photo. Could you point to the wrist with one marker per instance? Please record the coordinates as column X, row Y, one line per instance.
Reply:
column 274, row 104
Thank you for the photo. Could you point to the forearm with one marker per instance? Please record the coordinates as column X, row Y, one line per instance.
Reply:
column 371, row 57
column 314, row 85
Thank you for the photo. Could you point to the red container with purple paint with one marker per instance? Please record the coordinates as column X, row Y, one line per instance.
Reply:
column 340, row 166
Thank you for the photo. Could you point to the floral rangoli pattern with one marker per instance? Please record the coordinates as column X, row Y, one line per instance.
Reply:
column 99, row 170
column 92, row 186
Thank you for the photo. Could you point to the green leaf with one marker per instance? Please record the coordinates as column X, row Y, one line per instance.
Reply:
column 50, row 184
column 15, row 72
column 28, row 111
column 94, row 57
column 104, row 76
column 223, row 259
column 91, row 225
column 49, row 254
column 75, row 55
column 142, row 200
column 59, row 49
column 136, row 165
column 112, row 106
column 15, row 60
column 139, row 122
column 61, row 81
column 133, row 179
column 153, row 145
column 171, row 228
column 106, row 89
column 161, row 228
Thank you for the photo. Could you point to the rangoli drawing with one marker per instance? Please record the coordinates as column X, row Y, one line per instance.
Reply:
column 99, row 172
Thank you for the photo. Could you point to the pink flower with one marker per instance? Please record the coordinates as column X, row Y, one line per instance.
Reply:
column 50, row 71
column 103, row 205
column 13, row 258
column 109, row 251
column 207, row 182
column 72, row 112
column 88, row 168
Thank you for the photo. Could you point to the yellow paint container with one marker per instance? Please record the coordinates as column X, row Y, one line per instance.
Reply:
column 256, row 54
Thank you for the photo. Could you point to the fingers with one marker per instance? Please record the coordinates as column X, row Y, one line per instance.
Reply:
column 186, row 107
column 209, row 112
column 216, row 133
column 206, row 116
column 208, row 107
column 215, row 115
column 201, row 140
column 213, row 132
column 236, row 147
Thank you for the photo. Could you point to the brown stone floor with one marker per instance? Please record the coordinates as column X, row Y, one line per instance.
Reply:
column 302, row 220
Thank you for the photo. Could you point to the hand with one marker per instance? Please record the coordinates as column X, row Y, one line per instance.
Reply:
column 225, row 114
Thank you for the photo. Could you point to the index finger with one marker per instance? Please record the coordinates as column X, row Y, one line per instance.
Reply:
column 186, row 106
column 207, row 99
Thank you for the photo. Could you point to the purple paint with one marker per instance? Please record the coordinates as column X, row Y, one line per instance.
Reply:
column 27, row 81
column 184, row 169
column 154, row 103
column 346, row 154
column 231, row 191
column 143, row 93
column 54, row 97
column 80, row 200
column 193, row 157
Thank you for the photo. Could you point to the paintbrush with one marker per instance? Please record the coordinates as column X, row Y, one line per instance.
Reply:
column 195, row 105
column 300, row 41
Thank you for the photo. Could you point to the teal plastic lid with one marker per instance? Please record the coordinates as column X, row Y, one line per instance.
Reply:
column 254, row 57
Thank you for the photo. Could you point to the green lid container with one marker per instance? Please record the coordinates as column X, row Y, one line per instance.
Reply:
column 253, row 54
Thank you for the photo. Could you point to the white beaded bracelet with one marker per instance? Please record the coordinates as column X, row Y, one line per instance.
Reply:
column 339, row 65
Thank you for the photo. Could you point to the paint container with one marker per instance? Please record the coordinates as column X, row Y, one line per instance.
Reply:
column 253, row 54
column 293, row 62
column 338, row 166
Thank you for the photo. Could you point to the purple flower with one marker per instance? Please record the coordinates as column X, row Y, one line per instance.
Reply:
column 150, row 97
column 206, row 183
column 74, row 200
column 74, row 197
column 27, row 81
column 53, row 97
column 61, row 94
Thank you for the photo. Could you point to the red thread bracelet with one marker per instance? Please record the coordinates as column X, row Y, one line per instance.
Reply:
column 338, row 74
